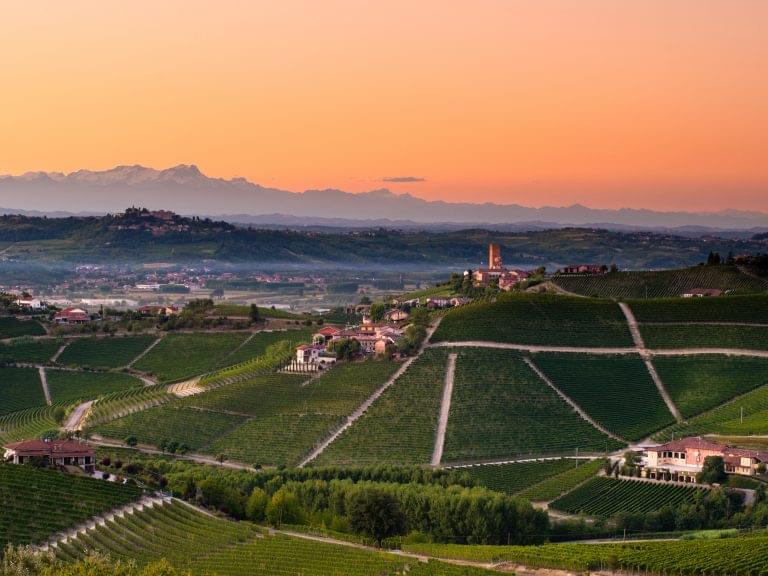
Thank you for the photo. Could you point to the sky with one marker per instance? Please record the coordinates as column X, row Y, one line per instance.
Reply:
column 609, row 103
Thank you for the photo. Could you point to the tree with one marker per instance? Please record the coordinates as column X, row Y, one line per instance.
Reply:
column 256, row 506
column 284, row 508
column 131, row 440
column 365, row 300
column 347, row 348
column 375, row 512
column 377, row 311
column 217, row 293
column 712, row 471
column 254, row 313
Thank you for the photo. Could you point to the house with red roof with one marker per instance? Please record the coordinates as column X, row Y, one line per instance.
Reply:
column 72, row 316
column 52, row 453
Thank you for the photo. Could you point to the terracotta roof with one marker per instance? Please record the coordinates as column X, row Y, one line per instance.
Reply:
column 51, row 448
column 694, row 442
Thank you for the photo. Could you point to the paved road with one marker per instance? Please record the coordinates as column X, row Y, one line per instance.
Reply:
column 76, row 417
column 369, row 401
column 445, row 409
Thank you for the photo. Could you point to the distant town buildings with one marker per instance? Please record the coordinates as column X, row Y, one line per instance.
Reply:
column 702, row 293
column 507, row 279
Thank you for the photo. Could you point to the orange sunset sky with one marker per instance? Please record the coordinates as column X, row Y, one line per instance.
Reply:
column 609, row 103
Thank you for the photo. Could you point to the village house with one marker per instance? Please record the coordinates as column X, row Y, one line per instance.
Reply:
column 157, row 310
column 681, row 460
column 510, row 278
column 52, row 453
column 325, row 335
column 396, row 315
column 586, row 269
column 72, row 316
column 372, row 337
column 313, row 354
column 30, row 303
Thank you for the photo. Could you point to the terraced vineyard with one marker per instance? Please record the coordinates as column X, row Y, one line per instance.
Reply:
column 29, row 423
column 20, row 388
column 605, row 497
column 108, row 352
column 275, row 356
column 701, row 383
column 260, row 341
column 743, row 416
column 12, row 327
column 68, row 386
column 31, row 515
column 744, row 309
column 705, row 336
column 515, row 477
column 554, row 486
column 538, row 319
column 616, row 391
column 201, row 544
column 730, row 556
column 181, row 356
column 400, row 427
column 28, row 350
column 119, row 404
column 502, row 409
column 660, row 284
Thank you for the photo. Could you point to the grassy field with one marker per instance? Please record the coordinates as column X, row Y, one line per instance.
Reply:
column 260, row 341
column 28, row 350
column 538, row 319
column 746, row 309
column 516, row 477
column 660, row 284
column 12, row 327
column 704, row 336
column 400, row 427
column 191, row 540
column 38, row 503
column 743, row 416
column 502, row 409
column 20, row 388
column 67, row 386
column 554, row 486
column 605, row 497
column 109, row 352
column 728, row 556
column 616, row 391
column 700, row 383
column 181, row 356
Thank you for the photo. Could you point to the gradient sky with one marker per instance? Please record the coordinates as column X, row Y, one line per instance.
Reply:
column 610, row 103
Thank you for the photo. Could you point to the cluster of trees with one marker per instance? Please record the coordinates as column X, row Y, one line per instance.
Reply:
column 714, row 259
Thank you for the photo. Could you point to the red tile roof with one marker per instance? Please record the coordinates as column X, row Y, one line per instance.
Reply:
column 57, row 448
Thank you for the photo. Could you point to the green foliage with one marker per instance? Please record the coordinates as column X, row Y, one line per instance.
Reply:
column 258, row 344
column 67, row 386
column 36, row 503
column 347, row 349
column 12, row 327
column 661, row 283
column 700, row 383
column 109, row 352
column 554, row 486
column 746, row 309
column 20, row 388
column 256, row 506
column 712, row 471
column 502, row 409
column 25, row 349
column 704, row 336
column 616, row 391
column 375, row 512
column 606, row 497
column 180, row 356
column 538, row 319
column 284, row 508
column 30, row 423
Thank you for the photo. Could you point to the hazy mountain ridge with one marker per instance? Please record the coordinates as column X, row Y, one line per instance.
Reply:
column 186, row 190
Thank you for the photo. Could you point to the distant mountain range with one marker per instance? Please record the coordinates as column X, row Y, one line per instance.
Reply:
column 186, row 190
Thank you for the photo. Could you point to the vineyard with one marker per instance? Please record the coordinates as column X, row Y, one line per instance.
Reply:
column 28, row 350
column 20, row 388
column 29, row 423
column 193, row 541
column 743, row 309
column 11, row 327
column 516, row 477
column 111, row 352
column 68, row 386
column 705, row 336
column 616, row 391
column 119, row 404
column 275, row 356
column 400, row 427
column 605, row 497
column 538, row 319
column 742, row 556
column 501, row 409
column 554, row 486
column 37, row 503
column 180, row 356
column 701, row 383
column 743, row 416
column 661, row 284
column 260, row 341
